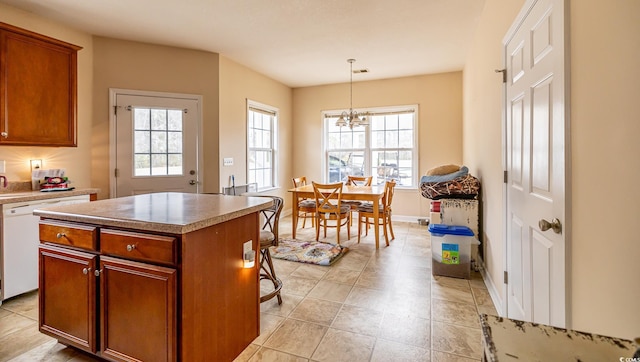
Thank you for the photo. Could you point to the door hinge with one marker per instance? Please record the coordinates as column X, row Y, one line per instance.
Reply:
column 506, row 277
column 115, row 110
column 505, row 176
column 504, row 74
column 116, row 173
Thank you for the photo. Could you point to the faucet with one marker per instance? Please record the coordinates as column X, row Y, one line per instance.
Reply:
column 4, row 181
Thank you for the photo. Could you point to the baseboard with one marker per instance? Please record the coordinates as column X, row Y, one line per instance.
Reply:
column 491, row 287
column 405, row 218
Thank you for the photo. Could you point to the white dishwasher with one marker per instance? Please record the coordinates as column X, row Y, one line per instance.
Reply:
column 20, row 239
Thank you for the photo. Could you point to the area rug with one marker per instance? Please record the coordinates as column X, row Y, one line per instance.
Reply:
column 312, row 252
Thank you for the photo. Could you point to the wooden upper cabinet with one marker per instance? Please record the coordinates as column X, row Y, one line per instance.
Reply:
column 38, row 89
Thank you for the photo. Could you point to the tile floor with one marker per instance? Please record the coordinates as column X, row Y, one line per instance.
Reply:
column 371, row 305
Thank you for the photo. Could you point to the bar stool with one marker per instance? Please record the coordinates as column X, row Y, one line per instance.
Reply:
column 269, row 238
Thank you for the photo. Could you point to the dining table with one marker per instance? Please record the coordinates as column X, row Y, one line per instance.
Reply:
column 372, row 194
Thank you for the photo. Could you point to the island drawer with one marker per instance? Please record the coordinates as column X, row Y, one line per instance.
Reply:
column 139, row 246
column 63, row 233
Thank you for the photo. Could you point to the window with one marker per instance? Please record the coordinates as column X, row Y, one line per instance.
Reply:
column 261, row 140
column 157, row 142
column 386, row 149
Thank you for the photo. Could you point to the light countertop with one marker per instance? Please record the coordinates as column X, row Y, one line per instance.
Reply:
column 166, row 212
column 507, row 339
column 24, row 196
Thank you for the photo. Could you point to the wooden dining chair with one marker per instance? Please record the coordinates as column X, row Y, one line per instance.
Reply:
column 356, row 181
column 365, row 213
column 359, row 180
column 269, row 237
column 330, row 208
column 306, row 207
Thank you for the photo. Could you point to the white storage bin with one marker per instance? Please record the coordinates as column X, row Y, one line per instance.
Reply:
column 451, row 250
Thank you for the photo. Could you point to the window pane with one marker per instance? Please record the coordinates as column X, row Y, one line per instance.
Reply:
column 159, row 119
column 405, row 139
column 266, row 139
column 158, row 141
column 391, row 122
column 377, row 123
column 406, row 121
column 141, row 118
column 175, row 142
column 346, row 140
column 333, row 140
column 159, row 164
column 359, row 139
column 377, row 139
column 175, row 164
column 266, row 122
column 391, row 139
column 141, row 142
column 142, row 165
column 175, row 120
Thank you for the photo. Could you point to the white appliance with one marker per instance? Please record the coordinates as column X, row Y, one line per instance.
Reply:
column 20, row 239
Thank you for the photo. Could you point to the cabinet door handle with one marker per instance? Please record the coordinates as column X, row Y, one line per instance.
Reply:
column 86, row 271
column 4, row 134
column 97, row 272
column 130, row 247
column 60, row 235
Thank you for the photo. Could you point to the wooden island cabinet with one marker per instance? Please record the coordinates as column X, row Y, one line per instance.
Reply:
column 155, row 277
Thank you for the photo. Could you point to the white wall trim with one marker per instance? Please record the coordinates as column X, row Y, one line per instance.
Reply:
column 492, row 289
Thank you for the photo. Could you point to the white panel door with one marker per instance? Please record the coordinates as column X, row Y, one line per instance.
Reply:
column 535, row 141
column 156, row 146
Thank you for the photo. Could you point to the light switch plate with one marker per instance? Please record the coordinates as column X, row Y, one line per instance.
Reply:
column 227, row 161
column 3, row 165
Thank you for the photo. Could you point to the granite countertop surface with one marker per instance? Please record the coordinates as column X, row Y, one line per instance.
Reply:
column 512, row 340
column 166, row 212
column 28, row 195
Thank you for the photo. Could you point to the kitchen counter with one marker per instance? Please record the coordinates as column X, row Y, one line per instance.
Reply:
column 153, row 277
column 24, row 196
column 166, row 212
column 507, row 339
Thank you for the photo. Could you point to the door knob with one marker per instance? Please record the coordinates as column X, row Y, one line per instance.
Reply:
column 555, row 225
column 192, row 182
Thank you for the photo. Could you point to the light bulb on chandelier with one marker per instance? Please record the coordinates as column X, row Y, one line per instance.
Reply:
column 351, row 118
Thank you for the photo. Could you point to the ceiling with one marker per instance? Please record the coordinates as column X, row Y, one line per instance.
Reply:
column 297, row 42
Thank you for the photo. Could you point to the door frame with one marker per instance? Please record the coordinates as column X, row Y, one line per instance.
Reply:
column 113, row 93
column 566, row 110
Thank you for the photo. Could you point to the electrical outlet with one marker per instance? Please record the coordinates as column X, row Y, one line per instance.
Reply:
column 247, row 246
column 227, row 161
column 248, row 255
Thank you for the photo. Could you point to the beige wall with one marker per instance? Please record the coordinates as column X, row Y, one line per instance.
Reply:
column 237, row 84
column 140, row 66
column 605, row 85
column 439, row 98
column 605, row 82
column 482, row 130
column 75, row 160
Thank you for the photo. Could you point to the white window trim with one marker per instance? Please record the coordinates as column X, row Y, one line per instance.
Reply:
column 367, row 157
column 274, row 140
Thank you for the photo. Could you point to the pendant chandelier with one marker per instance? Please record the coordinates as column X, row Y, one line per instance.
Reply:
column 352, row 118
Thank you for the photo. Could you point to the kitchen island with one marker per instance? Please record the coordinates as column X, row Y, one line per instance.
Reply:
column 155, row 277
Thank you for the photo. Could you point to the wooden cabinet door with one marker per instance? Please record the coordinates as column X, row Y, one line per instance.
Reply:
column 68, row 296
column 38, row 89
column 137, row 311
